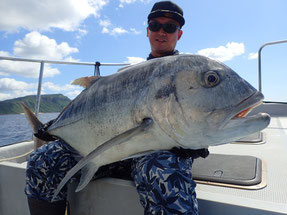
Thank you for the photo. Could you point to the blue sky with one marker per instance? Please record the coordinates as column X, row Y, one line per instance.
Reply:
column 114, row 31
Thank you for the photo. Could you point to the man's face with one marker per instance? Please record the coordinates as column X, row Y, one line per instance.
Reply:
column 162, row 42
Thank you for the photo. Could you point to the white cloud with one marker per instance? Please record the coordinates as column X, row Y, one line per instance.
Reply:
column 69, row 90
column 128, row 1
column 105, row 30
column 109, row 28
column 114, row 31
column 252, row 56
column 73, row 94
column 7, row 84
column 16, row 94
column 58, row 88
column 118, row 31
column 36, row 46
column 133, row 1
column 105, row 23
column 4, row 54
column 5, row 96
column 134, row 60
column 81, row 33
column 123, row 2
column 133, row 30
column 224, row 53
column 25, row 69
column 11, row 88
column 45, row 15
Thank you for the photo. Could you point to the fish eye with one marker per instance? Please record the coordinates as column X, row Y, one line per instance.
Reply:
column 211, row 78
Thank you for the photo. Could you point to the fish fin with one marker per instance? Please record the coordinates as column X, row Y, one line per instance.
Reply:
column 38, row 142
column 117, row 140
column 35, row 124
column 87, row 174
column 85, row 81
column 33, row 120
column 138, row 155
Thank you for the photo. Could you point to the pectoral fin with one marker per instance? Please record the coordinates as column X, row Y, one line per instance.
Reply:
column 87, row 174
column 117, row 140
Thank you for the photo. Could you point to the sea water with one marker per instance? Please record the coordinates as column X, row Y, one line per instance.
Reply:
column 15, row 128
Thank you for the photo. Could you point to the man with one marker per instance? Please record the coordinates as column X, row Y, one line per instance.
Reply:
column 175, row 194
column 163, row 179
column 164, row 28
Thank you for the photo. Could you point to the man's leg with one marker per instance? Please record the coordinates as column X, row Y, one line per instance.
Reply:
column 164, row 183
column 46, row 167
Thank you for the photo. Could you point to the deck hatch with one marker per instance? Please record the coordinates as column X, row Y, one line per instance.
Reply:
column 229, row 170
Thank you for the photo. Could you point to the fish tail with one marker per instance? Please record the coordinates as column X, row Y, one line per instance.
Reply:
column 35, row 124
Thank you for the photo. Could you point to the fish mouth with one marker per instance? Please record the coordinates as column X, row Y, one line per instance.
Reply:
column 247, row 105
column 243, row 108
column 237, row 124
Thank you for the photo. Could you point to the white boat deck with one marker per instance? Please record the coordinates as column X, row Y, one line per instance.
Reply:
column 274, row 154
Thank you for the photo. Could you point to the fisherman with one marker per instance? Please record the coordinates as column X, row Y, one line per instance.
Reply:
column 173, row 190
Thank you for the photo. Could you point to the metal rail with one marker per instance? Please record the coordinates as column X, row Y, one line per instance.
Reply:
column 61, row 62
column 42, row 63
column 259, row 60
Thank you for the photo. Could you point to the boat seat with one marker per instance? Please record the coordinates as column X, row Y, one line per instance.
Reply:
column 118, row 196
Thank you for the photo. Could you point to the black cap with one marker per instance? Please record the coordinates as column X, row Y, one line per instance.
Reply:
column 167, row 9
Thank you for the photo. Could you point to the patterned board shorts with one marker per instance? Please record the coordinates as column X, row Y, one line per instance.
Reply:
column 163, row 180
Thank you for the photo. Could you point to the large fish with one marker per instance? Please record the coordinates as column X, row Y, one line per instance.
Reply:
column 188, row 101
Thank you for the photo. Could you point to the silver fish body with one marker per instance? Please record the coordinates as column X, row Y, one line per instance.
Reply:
column 174, row 91
column 193, row 102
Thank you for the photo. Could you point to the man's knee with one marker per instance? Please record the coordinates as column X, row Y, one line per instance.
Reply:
column 46, row 167
column 164, row 182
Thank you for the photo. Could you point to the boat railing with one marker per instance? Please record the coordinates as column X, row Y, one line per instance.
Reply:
column 41, row 72
column 98, row 64
column 259, row 60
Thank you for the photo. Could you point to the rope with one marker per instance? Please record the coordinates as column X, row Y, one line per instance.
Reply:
column 97, row 68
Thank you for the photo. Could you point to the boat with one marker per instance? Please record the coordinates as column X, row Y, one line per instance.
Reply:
column 244, row 177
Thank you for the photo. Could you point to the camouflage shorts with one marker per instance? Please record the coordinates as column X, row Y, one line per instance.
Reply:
column 164, row 184
column 46, row 167
column 163, row 179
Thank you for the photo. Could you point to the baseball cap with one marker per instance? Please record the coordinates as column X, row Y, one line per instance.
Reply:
column 167, row 9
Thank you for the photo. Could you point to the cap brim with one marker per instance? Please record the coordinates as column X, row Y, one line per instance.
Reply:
column 169, row 14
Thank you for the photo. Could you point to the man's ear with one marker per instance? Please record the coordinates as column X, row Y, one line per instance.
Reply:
column 180, row 32
column 147, row 32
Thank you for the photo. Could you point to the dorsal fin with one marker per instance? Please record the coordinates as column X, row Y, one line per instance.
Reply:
column 85, row 81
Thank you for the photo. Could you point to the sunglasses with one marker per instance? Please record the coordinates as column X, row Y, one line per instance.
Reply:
column 167, row 27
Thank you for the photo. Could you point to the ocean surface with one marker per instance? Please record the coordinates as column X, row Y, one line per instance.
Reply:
column 15, row 128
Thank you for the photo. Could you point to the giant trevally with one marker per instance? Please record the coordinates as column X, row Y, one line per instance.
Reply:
column 187, row 101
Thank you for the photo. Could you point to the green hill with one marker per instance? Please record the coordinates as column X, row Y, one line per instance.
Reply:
column 49, row 103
